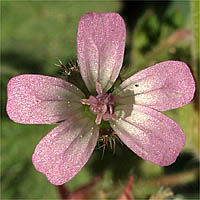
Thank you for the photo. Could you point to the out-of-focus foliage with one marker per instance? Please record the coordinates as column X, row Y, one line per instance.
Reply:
column 35, row 33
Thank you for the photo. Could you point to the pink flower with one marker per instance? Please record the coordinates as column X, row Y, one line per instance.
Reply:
column 132, row 109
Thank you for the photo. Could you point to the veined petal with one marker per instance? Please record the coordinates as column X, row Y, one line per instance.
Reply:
column 37, row 99
column 164, row 86
column 62, row 153
column 149, row 133
column 100, row 44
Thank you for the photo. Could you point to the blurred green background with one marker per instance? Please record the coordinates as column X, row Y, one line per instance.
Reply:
column 35, row 33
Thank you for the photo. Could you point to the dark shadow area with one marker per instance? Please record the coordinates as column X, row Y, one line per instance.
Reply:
column 69, row 71
column 185, row 161
column 132, row 11
column 123, row 162
column 189, row 190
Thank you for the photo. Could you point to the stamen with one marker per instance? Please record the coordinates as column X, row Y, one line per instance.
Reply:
column 102, row 105
column 98, row 119
column 85, row 101
column 98, row 88
column 111, row 109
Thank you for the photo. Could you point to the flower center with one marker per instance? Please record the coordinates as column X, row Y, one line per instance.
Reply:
column 102, row 105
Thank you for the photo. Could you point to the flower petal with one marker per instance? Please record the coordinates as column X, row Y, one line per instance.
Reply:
column 100, row 42
column 37, row 99
column 149, row 133
column 164, row 86
column 62, row 153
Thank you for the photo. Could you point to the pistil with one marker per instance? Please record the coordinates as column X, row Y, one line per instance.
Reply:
column 102, row 105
